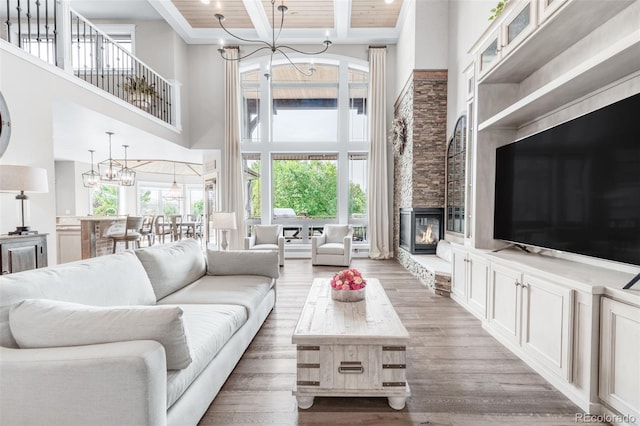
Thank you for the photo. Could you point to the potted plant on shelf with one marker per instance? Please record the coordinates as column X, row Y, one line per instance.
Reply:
column 141, row 92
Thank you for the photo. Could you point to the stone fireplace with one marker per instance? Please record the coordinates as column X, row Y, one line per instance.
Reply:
column 421, row 229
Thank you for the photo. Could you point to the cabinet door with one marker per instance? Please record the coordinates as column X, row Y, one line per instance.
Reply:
column 520, row 22
column 489, row 54
column 23, row 255
column 548, row 8
column 477, row 284
column 504, row 302
column 459, row 277
column 620, row 357
column 547, row 324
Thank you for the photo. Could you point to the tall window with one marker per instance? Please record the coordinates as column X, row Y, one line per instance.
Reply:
column 152, row 200
column 104, row 200
column 306, row 183
column 305, row 142
column 253, row 185
column 456, row 177
column 195, row 200
column 358, row 88
column 300, row 103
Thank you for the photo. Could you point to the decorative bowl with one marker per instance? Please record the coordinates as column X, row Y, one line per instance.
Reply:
column 348, row 295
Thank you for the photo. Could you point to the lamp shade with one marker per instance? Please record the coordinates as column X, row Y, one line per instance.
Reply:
column 23, row 178
column 224, row 220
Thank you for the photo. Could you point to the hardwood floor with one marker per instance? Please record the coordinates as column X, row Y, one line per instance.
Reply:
column 459, row 374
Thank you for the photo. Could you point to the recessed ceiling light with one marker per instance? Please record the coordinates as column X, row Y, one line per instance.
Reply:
column 388, row 1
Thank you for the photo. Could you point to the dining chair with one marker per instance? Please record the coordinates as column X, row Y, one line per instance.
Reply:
column 131, row 233
column 147, row 229
column 163, row 228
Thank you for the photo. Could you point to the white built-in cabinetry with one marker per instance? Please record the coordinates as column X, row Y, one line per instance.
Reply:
column 547, row 311
column 534, row 315
column 469, row 281
column 539, row 64
column 620, row 357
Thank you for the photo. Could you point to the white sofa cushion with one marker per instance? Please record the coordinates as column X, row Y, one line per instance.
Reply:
column 336, row 233
column 243, row 262
column 172, row 266
column 42, row 323
column 114, row 280
column 331, row 248
column 267, row 234
column 210, row 327
column 243, row 290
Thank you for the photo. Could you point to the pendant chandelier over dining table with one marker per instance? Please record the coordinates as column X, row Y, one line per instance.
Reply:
column 175, row 193
column 273, row 43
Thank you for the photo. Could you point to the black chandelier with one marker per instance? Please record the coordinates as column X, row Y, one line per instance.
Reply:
column 272, row 45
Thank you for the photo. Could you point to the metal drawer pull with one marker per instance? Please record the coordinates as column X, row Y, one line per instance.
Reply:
column 390, row 366
column 394, row 348
column 350, row 367
column 308, row 348
column 393, row 384
column 305, row 365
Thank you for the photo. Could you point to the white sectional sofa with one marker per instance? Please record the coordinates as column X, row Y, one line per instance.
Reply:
column 98, row 360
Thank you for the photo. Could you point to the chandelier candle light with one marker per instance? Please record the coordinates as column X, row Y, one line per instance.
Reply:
column 273, row 43
column 109, row 169
column 127, row 176
column 175, row 193
column 91, row 178
column 348, row 286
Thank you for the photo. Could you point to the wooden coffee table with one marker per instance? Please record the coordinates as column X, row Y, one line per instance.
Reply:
column 350, row 349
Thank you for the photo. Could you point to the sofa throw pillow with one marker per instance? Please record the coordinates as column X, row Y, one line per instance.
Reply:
column 43, row 323
column 171, row 267
column 336, row 233
column 267, row 234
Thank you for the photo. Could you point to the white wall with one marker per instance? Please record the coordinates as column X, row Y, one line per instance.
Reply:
column 431, row 38
column 31, row 144
column 405, row 50
column 71, row 196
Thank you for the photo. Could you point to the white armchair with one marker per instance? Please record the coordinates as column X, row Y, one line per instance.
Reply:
column 266, row 237
column 333, row 247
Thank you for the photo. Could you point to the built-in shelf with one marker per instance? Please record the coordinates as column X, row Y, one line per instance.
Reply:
column 568, row 25
column 620, row 60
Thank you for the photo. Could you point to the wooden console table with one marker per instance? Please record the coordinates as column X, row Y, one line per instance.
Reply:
column 350, row 349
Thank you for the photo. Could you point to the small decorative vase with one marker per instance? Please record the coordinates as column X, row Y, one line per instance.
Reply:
column 348, row 295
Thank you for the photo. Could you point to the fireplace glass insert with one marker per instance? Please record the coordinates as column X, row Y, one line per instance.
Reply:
column 421, row 229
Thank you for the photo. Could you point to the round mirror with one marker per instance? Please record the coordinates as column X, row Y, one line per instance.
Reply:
column 5, row 125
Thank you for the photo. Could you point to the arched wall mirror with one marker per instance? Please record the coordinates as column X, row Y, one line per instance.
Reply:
column 456, row 175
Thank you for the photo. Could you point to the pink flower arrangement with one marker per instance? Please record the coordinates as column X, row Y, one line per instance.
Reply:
column 349, row 279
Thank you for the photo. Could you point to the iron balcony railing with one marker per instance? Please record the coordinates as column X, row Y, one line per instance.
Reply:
column 60, row 36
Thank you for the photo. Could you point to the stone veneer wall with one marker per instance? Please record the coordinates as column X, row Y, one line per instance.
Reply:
column 419, row 173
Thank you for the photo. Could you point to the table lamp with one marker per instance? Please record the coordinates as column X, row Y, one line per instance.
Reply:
column 224, row 221
column 23, row 179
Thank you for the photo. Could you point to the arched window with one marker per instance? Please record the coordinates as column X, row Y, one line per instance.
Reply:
column 305, row 144
column 456, row 177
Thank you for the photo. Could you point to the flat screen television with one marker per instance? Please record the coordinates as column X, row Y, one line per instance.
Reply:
column 575, row 187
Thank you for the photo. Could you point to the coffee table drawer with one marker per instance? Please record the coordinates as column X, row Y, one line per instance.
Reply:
column 357, row 367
